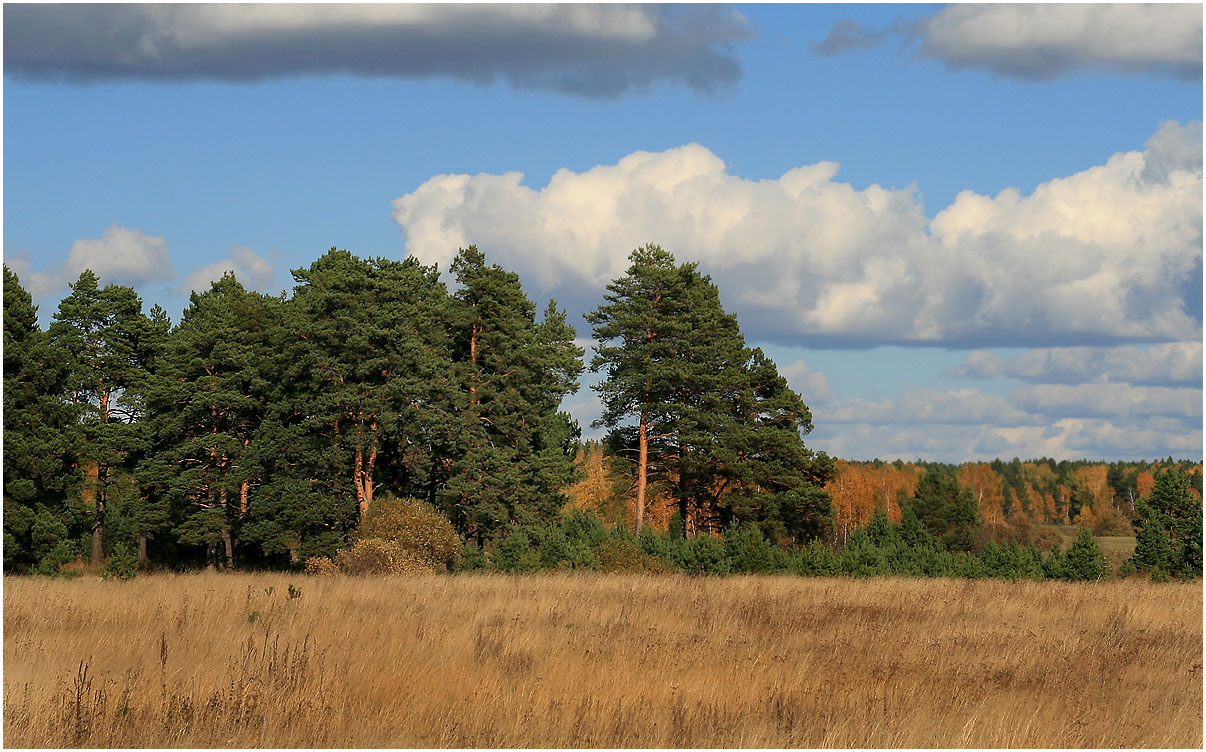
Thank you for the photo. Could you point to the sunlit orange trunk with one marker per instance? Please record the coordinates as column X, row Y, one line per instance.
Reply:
column 362, row 474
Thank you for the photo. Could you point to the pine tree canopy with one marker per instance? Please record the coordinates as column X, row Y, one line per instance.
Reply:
column 699, row 413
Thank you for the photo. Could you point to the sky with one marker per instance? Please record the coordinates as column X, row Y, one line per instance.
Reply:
column 962, row 232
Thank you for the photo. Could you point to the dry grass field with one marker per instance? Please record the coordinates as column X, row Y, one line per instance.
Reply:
column 211, row 660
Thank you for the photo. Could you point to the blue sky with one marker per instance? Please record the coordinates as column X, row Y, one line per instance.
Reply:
column 961, row 231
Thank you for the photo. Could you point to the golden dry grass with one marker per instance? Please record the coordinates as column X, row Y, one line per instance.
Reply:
column 599, row 661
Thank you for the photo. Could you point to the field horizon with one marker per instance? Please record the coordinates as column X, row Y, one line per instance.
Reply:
column 589, row 660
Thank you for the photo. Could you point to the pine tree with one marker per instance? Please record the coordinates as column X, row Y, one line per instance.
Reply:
column 946, row 509
column 1084, row 559
column 366, row 389
column 715, row 423
column 39, row 453
column 639, row 331
column 209, row 401
column 111, row 344
column 514, row 448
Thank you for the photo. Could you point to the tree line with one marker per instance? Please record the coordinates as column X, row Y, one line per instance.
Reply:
column 1018, row 500
column 260, row 431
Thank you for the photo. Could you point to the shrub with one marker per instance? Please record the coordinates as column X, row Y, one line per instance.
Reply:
column 52, row 562
column 624, row 554
column 748, row 551
column 702, row 554
column 413, row 526
column 583, row 527
column 121, row 564
column 321, row 566
column 377, row 556
column 473, row 559
column 514, row 552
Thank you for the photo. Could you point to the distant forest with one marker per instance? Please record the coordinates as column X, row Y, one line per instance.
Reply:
column 374, row 417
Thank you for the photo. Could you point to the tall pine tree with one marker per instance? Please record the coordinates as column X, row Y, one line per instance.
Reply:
column 698, row 412
column 515, row 448
column 111, row 345
column 208, row 401
column 367, row 375
column 39, row 454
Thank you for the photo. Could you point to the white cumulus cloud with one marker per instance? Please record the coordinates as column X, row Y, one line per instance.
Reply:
column 1105, row 253
column 252, row 270
column 121, row 256
column 813, row 386
column 1043, row 40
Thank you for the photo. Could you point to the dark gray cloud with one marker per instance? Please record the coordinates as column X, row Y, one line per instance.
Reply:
column 1043, row 41
column 585, row 50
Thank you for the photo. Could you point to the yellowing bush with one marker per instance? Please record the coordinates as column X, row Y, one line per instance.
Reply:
column 321, row 565
column 377, row 556
column 414, row 527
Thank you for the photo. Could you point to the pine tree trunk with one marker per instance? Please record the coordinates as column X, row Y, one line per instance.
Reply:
column 370, row 467
column 358, row 482
column 228, row 544
column 98, row 526
column 642, row 474
column 98, row 551
column 142, row 550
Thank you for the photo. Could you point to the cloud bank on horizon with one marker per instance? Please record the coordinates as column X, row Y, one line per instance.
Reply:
column 584, row 50
column 1043, row 41
column 1108, row 255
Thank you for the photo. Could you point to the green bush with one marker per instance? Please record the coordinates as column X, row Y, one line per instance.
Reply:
column 52, row 562
column 584, row 528
column 624, row 554
column 514, row 552
column 702, row 554
column 747, row 550
column 473, row 559
column 122, row 563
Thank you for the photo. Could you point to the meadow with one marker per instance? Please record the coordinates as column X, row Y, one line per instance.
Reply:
column 589, row 660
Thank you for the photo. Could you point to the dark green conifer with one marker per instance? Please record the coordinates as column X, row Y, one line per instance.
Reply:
column 697, row 411
column 111, row 345
column 1169, row 528
column 40, row 477
column 514, row 449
